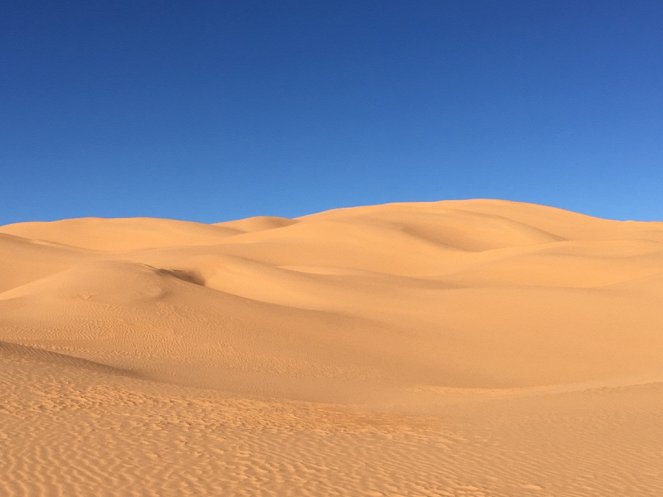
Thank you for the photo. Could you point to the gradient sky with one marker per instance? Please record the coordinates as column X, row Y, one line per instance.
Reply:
column 210, row 111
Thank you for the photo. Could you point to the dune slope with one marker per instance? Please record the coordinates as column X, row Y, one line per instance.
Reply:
column 480, row 341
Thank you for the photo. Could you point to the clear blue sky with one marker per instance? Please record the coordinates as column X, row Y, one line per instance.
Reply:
column 212, row 110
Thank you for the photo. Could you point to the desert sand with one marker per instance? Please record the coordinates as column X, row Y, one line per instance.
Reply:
column 455, row 348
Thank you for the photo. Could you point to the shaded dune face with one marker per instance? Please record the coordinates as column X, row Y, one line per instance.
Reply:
column 359, row 305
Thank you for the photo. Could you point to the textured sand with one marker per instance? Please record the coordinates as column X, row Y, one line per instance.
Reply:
column 458, row 348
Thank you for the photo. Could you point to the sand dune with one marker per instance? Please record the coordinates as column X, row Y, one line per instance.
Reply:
column 257, row 223
column 459, row 348
column 121, row 234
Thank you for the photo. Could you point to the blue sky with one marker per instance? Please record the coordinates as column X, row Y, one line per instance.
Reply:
column 210, row 111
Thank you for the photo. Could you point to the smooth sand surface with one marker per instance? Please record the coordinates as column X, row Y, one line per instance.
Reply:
column 457, row 348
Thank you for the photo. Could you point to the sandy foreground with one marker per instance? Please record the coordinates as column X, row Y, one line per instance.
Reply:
column 457, row 348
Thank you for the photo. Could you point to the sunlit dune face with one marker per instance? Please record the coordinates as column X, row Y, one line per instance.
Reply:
column 430, row 344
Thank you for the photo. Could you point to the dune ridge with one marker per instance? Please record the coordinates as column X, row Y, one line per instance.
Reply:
column 430, row 332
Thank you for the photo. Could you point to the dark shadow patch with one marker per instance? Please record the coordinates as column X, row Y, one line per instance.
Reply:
column 188, row 276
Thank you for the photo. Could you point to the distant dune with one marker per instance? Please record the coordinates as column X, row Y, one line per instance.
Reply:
column 454, row 348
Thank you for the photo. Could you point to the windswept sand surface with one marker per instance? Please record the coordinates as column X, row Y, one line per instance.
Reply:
column 458, row 348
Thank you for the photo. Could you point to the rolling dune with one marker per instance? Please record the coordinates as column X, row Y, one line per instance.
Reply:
column 455, row 348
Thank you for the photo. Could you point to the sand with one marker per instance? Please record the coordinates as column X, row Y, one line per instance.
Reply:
column 455, row 348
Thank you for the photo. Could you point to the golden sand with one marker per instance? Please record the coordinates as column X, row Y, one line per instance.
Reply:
column 457, row 348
